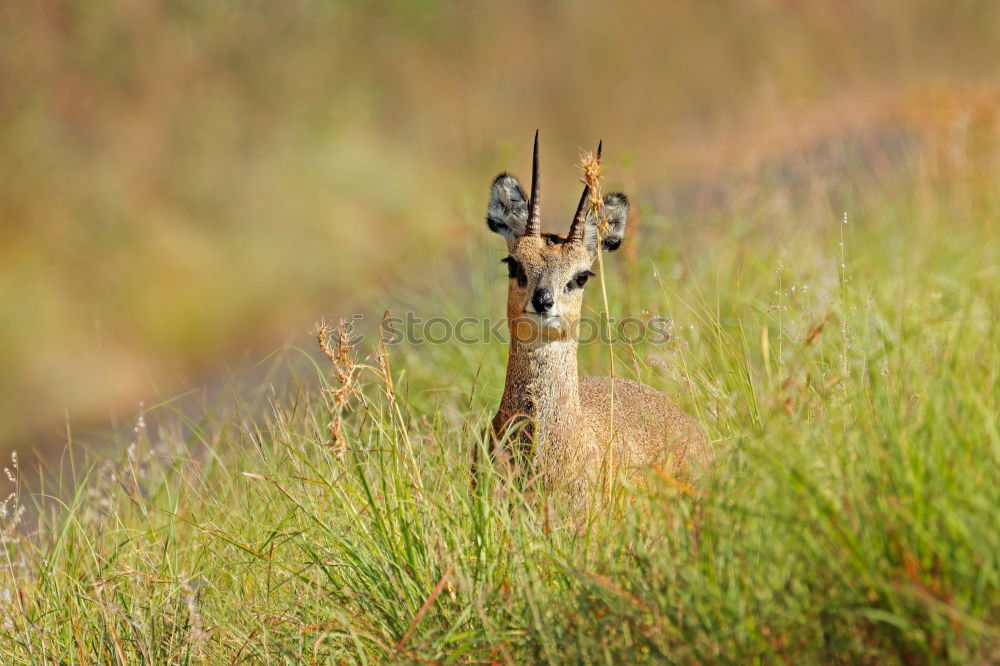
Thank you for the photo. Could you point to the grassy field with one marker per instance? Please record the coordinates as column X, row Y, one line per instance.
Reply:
column 846, row 369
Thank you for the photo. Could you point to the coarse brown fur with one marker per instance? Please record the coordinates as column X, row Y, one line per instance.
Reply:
column 552, row 424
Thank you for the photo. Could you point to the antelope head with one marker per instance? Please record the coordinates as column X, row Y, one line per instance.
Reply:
column 547, row 272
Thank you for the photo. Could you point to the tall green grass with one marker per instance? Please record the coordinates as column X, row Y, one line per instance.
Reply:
column 847, row 375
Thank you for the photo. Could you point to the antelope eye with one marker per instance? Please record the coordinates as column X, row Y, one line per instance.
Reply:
column 579, row 281
column 514, row 270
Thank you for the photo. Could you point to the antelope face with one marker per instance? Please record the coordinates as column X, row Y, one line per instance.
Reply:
column 545, row 292
column 547, row 273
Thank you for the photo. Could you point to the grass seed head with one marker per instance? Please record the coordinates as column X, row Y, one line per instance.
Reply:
column 590, row 167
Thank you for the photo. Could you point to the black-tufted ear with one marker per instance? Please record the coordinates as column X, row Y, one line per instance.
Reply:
column 507, row 212
column 616, row 211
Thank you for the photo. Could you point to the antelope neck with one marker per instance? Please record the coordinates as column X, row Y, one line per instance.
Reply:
column 543, row 383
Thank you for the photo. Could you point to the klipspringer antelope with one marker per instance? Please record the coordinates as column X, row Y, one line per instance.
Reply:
column 553, row 424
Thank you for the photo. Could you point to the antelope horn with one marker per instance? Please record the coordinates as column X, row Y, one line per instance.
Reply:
column 534, row 227
column 577, row 227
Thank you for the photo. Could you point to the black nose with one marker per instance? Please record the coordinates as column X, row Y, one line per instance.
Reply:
column 542, row 300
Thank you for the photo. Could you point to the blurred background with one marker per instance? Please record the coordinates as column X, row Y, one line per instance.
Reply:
column 187, row 186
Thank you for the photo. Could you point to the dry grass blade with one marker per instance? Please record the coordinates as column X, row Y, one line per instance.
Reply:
column 423, row 608
column 590, row 166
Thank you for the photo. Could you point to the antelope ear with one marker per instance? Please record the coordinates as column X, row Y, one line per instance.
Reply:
column 616, row 211
column 507, row 212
